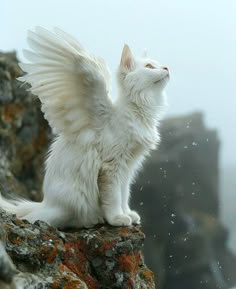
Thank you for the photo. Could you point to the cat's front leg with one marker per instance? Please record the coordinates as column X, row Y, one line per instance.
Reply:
column 125, row 203
column 111, row 200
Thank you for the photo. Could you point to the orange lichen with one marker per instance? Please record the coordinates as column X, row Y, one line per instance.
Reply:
column 128, row 263
column 56, row 284
column 52, row 255
column 63, row 268
column 48, row 237
column 148, row 275
column 48, row 252
column 106, row 246
column 11, row 111
column 17, row 240
column 76, row 261
column 66, row 279
column 138, row 257
column 76, row 264
column 124, row 232
column 69, row 283
column 66, row 283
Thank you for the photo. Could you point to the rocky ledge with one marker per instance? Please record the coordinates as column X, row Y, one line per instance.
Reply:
column 44, row 257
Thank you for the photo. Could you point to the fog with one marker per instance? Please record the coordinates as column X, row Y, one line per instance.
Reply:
column 195, row 39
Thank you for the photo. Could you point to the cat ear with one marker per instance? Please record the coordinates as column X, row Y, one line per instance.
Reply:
column 145, row 53
column 127, row 60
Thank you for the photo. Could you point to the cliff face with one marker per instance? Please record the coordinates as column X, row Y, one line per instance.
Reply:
column 24, row 134
column 178, row 195
column 37, row 255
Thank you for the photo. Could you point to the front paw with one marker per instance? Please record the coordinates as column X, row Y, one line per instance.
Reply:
column 135, row 217
column 120, row 220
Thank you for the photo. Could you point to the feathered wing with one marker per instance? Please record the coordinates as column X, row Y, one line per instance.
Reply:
column 72, row 84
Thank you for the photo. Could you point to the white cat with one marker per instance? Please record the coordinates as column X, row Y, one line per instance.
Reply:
column 99, row 145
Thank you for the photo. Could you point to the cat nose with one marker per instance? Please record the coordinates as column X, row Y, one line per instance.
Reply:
column 165, row 68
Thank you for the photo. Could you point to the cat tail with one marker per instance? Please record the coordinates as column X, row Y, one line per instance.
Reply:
column 20, row 207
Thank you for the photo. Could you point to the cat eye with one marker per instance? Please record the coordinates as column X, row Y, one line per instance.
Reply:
column 149, row 66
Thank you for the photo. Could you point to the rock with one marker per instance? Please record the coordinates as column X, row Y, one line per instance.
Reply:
column 102, row 257
column 24, row 134
column 7, row 269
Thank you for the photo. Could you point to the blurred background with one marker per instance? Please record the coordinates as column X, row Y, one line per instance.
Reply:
column 186, row 191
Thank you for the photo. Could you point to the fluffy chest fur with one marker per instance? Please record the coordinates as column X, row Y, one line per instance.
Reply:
column 126, row 137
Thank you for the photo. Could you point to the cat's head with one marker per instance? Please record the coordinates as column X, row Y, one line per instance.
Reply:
column 141, row 75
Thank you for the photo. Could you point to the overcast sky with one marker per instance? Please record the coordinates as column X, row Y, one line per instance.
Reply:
column 195, row 39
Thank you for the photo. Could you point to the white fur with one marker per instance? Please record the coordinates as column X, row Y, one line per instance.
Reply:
column 99, row 145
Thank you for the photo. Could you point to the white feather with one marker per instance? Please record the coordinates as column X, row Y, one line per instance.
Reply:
column 58, row 68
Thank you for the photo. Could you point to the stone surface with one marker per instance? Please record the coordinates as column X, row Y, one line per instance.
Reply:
column 102, row 257
column 24, row 134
